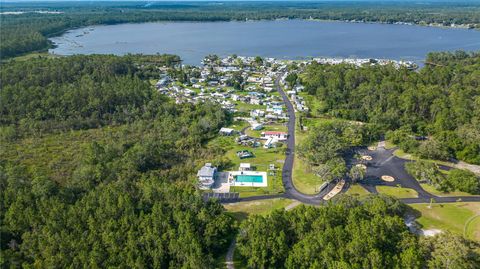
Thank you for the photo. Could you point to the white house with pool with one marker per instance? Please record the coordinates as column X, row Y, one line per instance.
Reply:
column 247, row 178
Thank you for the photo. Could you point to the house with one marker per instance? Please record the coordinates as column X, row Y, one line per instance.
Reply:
column 271, row 117
column 245, row 167
column 255, row 101
column 163, row 82
column 276, row 135
column 226, row 131
column 242, row 154
column 270, row 142
column 213, row 83
column 257, row 113
column 241, row 138
column 206, row 176
column 257, row 126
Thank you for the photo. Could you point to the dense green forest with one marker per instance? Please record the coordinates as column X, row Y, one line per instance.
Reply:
column 434, row 112
column 96, row 168
column 23, row 33
column 348, row 234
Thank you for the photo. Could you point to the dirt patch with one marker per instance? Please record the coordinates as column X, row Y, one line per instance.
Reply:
column 362, row 166
column 430, row 232
column 388, row 178
column 366, row 157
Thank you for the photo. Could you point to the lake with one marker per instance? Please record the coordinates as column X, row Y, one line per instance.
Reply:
column 283, row 39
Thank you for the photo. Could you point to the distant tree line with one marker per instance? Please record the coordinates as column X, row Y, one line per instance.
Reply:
column 29, row 32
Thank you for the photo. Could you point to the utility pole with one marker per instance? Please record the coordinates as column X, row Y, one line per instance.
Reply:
column 430, row 205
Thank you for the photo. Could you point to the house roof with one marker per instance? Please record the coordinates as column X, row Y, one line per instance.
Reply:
column 226, row 130
column 206, row 171
column 273, row 133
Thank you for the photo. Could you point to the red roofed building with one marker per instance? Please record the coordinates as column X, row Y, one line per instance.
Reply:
column 279, row 136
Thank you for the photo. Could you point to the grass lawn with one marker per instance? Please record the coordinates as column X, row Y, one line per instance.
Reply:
column 238, row 125
column 436, row 192
column 271, row 127
column 243, row 107
column 241, row 210
column 402, row 154
column 263, row 158
column 451, row 217
column 357, row 190
column 397, row 192
column 389, row 145
column 304, row 180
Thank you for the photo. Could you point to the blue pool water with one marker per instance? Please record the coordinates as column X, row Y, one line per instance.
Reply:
column 249, row 179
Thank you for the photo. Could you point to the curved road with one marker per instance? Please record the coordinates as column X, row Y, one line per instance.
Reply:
column 290, row 190
column 378, row 167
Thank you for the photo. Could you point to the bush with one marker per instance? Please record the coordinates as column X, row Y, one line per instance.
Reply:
column 464, row 180
column 433, row 149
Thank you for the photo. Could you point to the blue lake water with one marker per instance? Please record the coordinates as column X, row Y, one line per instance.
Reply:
column 284, row 39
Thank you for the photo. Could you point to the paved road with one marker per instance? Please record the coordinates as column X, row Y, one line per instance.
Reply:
column 230, row 252
column 385, row 163
column 290, row 190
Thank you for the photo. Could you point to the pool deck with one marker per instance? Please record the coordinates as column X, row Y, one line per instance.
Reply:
column 232, row 175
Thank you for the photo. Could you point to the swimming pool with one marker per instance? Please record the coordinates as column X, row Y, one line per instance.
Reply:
column 249, row 178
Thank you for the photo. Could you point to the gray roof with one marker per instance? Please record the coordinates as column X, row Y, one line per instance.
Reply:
column 206, row 171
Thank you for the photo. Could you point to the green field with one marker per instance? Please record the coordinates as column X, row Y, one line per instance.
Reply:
column 303, row 178
column 436, row 192
column 397, row 192
column 241, row 210
column 243, row 107
column 357, row 190
column 451, row 217
column 238, row 125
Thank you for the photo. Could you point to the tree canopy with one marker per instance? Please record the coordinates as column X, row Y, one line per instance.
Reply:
column 116, row 192
column 441, row 102
column 348, row 233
